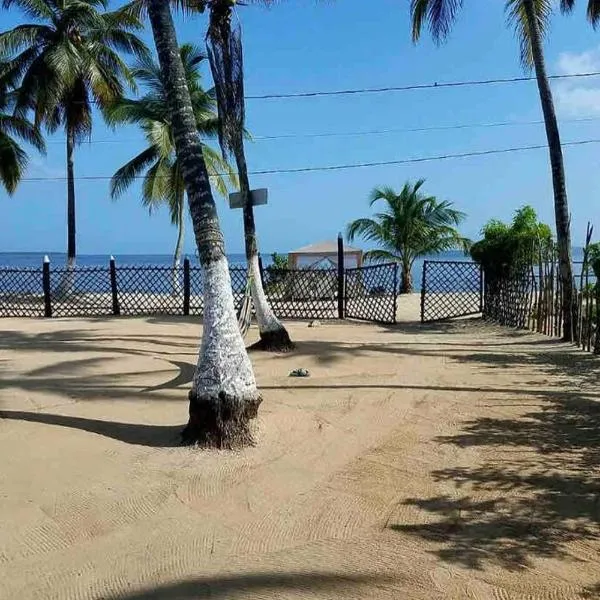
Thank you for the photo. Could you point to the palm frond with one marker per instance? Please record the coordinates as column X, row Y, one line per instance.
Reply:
column 130, row 171
column 438, row 15
column 13, row 161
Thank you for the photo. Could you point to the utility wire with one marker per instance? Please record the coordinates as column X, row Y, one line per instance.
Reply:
column 341, row 167
column 368, row 132
column 415, row 86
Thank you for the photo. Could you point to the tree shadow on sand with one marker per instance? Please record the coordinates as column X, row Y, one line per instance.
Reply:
column 538, row 496
column 156, row 436
column 266, row 585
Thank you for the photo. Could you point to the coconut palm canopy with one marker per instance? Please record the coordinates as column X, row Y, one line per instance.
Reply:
column 13, row 158
column 411, row 225
column 68, row 59
column 158, row 163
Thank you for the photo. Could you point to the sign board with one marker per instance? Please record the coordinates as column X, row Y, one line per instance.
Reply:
column 257, row 197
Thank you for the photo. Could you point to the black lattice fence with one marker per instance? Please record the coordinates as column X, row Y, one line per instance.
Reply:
column 80, row 292
column 371, row 293
column 450, row 289
column 366, row 293
column 21, row 293
column 302, row 293
column 150, row 290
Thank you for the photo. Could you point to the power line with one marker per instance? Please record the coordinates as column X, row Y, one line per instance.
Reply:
column 415, row 86
column 333, row 134
column 341, row 167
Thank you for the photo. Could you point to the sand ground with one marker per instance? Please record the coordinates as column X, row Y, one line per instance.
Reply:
column 453, row 461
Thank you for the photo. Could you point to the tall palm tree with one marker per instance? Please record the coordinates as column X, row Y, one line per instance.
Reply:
column 531, row 20
column 13, row 158
column 224, row 396
column 162, row 177
column 411, row 225
column 63, row 63
column 226, row 60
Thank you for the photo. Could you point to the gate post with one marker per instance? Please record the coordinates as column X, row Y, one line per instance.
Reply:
column 340, row 276
column 395, row 292
column 423, row 290
column 113, row 287
column 481, row 305
column 186, row 286
column 46, row 287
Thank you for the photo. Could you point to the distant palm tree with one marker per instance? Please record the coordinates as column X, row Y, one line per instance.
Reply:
column 411, row 225
column 531, row 19
column 63, row 63
column 161, row 169
column 13, row 158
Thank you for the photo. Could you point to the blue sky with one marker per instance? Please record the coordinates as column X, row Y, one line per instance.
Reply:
column 304, row 46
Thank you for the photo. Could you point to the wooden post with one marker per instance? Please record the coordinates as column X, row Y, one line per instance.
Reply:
column 113, row 287
column 481, row 289
column 186, row 286
column 340, row 276
column 46, row 287
column 395, row 292
column 423, row 290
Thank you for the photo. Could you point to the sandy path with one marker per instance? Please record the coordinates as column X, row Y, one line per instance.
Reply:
column 454, row 461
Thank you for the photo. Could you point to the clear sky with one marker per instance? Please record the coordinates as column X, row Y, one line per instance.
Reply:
column 302, row 45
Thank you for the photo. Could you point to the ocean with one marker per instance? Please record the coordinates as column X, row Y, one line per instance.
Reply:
column 57, row 259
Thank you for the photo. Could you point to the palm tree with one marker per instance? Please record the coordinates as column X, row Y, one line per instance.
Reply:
column 226, row 60
column 63, row 63
column 13, row 158
column 411, row 225
column 163, row 180
column 224, row 396
column 531, row 20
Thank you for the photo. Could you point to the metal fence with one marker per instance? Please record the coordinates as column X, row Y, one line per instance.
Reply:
column 367, row 293
column 450, row 289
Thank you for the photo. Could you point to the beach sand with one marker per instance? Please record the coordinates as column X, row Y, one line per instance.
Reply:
column 448, row 461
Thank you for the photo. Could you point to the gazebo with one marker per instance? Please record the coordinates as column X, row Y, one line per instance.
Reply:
column 314, row 254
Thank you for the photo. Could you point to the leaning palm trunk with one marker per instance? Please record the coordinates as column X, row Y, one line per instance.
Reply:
column 225, row 54
column 66, row 283
column 179, row 245
column 406, row 286
column 224, row 396
column 561, row 206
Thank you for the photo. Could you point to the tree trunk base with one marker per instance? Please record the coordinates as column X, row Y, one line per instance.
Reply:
column 222, row 424
column 274, row 341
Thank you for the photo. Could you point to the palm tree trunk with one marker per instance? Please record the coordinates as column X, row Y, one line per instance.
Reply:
column 66, row 283
column 273, row 335
column 224, row 396
column 179, row 244
column 561, row 206
column 406, row 286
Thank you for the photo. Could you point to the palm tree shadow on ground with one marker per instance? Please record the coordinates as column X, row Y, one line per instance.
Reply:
column 237, row 586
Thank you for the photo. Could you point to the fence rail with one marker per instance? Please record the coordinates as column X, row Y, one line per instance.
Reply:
column 368, row 293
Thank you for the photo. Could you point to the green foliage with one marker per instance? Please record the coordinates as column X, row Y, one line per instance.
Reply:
column 162, row 178
column 277, row 272
column 594, row 259
column 506, row 247
column 410, row 225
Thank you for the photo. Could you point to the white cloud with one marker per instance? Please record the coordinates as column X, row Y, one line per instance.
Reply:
column 578, row 97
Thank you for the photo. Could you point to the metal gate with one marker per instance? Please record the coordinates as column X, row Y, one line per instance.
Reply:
column 450, row 289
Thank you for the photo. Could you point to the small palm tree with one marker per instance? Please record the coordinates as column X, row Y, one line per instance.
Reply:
column 531, row 20
column 411, row 225
column 62, row 64
column 162, row 176
column 13, row 158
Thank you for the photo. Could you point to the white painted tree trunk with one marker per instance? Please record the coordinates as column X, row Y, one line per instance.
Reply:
column 223, row 364
column 265, row 317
